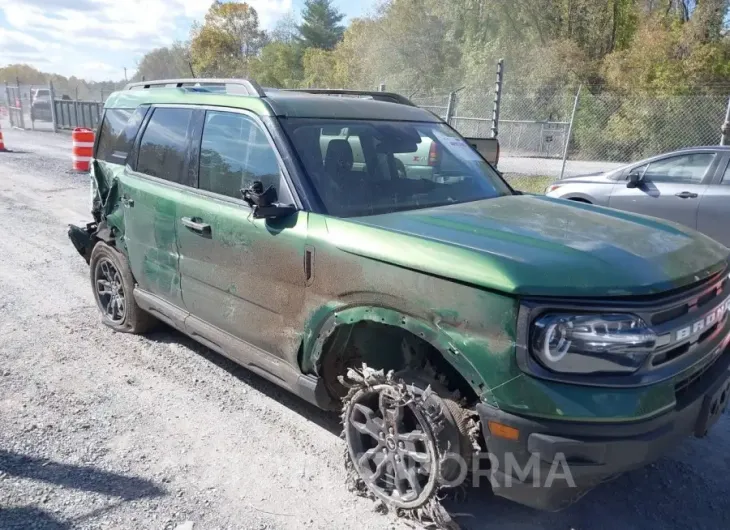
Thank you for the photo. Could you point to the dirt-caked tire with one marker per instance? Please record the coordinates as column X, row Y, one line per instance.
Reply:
column 406, row 440
column 112, row 284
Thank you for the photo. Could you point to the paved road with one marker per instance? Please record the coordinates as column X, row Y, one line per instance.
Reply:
column 104, row 430
column 551, row 166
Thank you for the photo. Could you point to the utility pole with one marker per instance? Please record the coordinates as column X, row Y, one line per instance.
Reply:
column 570, row 130
column 725, row 136
column 125, row 74
column 497, row 98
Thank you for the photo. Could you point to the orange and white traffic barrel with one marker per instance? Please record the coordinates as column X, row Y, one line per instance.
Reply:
column 83, row 147
column 2, row 142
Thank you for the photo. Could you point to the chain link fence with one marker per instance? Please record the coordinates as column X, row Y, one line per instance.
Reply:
column 623, row 128
column 438, row 104
column 564, row 132
column 544, row 131
column 41, row 107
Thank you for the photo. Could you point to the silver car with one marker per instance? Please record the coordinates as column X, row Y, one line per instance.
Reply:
column 690, row 186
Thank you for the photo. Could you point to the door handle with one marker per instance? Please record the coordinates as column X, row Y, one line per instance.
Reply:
column 127, row 202
column 195, row 225
column 687, row 195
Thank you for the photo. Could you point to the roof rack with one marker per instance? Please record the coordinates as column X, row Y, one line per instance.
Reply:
column 391, row 97
column 231, row 86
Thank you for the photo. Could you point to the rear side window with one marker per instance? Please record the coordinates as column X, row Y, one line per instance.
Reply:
column 235, row 152
column 163, row 149
column 112, row 125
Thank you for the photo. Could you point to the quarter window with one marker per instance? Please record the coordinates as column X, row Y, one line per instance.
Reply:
column 112, row 125
column 234, row 153
column 689, row 169
column 163, row 149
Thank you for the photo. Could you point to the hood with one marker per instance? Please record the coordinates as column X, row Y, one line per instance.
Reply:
column 535, row 245
column 590, row 177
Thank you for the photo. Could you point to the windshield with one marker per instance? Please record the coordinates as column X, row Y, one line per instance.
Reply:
column 372, row 167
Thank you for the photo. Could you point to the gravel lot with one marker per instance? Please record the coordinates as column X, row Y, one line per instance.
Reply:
column 104, row 430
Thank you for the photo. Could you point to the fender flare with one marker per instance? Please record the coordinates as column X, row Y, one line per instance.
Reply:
column 578, row 197
column 430, row 332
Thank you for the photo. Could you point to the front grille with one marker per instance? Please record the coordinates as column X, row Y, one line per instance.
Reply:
column 664, row 357
column 686, row 313
column 666, row 316
column 684, row 385
column 692, row 302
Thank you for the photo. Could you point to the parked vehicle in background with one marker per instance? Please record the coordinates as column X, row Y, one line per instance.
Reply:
column 439, row 315
column 40, row 106
column 428, row 161
column 690, row 186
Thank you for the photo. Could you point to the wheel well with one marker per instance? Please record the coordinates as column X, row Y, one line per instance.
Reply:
column 579, row 199
column 386, row 347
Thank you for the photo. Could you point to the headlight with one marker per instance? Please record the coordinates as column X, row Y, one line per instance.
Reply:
column 552, row 187
column 587, row 344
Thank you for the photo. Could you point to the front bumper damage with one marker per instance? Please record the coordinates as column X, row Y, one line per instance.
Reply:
column 82, row 239
column 553, row 463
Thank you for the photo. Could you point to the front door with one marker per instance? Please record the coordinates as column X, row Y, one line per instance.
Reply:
column 671, row 188
column 244, row 276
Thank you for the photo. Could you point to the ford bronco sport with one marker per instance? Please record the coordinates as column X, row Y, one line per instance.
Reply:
column 444, row 314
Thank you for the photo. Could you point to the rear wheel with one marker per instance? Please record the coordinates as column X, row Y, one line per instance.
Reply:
column 113, row 285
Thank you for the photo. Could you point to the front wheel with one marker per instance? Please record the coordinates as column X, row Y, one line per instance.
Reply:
column 113, row 286
column 406, row 439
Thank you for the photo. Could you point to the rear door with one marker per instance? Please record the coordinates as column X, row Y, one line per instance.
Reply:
column 151, row 194
column 240, row 275
column 671, row 188
column 714, row 212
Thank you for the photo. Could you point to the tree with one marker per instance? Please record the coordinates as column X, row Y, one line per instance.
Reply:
column 320, row 26
column 164, row 63
column 227, row 39
column 278, row 65
column 286, row 29
column 319, row 69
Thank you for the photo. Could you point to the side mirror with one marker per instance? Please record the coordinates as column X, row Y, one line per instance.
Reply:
column 274, row 211
column 264, row 202
column 634, row 179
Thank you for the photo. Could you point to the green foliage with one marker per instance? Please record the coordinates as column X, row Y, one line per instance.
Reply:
column 278, row 65
column 319, row 69
column 320, row 26
column 224, row 44
column 165, row 63
column 633, row 57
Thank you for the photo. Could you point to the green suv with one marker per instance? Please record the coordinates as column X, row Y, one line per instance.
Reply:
column 447, row 316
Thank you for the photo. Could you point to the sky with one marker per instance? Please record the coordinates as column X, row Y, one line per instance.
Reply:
column 97, row 39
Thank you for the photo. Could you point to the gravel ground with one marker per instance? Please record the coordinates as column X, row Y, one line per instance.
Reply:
column 105, row 430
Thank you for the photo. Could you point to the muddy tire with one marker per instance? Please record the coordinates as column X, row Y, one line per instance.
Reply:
column 406, row 440
column 113, row 284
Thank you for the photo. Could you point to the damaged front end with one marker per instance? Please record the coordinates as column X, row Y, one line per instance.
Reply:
column 83, row 238
column 102, row 196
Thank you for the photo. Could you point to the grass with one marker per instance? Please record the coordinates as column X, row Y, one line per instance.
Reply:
column 530, row 184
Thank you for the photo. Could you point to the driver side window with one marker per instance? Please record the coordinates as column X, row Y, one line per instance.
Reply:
column 689, row 169
column 234, row 153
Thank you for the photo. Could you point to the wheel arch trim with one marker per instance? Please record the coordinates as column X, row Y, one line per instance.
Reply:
column 315, row 341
